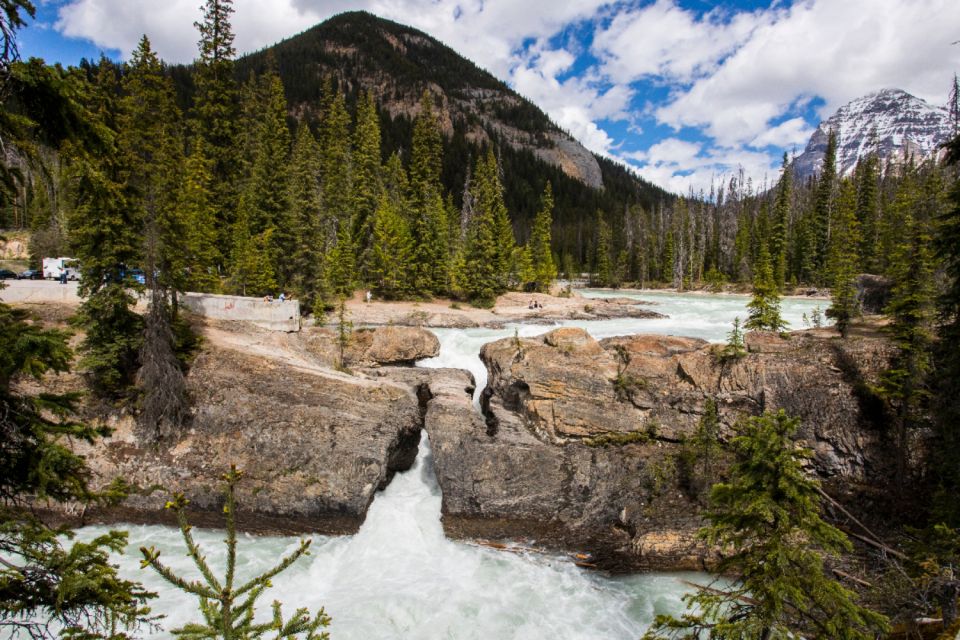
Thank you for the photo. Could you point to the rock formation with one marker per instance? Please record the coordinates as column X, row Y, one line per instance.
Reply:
column 581, row 442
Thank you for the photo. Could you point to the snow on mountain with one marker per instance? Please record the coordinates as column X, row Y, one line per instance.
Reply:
column 891, row 121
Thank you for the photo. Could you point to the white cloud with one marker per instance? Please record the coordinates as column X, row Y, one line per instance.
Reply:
column 662, row 39
column 790, row 133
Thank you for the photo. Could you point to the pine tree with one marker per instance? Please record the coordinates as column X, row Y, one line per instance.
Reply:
column 267, row 189
column 824, row 206
column 228, row 608
column 764, row 306
column 367, row 180
column 668, row 258
column 251, row 269
column 106, row 234
column 202, row 256
column 766, row 517
column 44, row 579
column 602, row 267
column 844, row 305
column 306, row 257
column 215, row 107
column 781, row 220
column 150, row 140
column 541, row 256
column 946, row 467
column 910, row 308
column 391, row 252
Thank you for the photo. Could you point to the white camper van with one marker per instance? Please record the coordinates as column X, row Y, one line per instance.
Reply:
column 52, row 267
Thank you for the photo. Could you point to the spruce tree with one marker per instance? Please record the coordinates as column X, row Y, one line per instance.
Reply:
column 336, row 193
column 781, row 220
column 844, row 305
column 306, row 257
column 251, row 269
column 824, row 207
column 946, row 467
column 106, row 236
column 228, row 608
column 391, row 252
column 868, row 212
column 602, row 267
column 202, row 255
column 764, row 306
column 43, row 578
column 910, row 308
column 150, row 138
column 267, row 191
column 215, row 108
column 367, row 179
column 215, row 105
column 429, row 224
column 541, row 256
column 766, row 519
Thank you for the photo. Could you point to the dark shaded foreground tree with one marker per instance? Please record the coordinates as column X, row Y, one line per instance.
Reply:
column 49, row 587
column 766, row 516
column 228, row 608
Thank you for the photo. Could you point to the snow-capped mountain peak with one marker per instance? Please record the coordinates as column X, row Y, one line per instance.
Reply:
column 891, row 121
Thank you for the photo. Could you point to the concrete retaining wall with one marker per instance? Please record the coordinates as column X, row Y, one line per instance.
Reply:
column 276, row 315
column 33, row 291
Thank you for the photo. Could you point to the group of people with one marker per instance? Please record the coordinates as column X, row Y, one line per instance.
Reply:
column 282, row 297
column 534, row 304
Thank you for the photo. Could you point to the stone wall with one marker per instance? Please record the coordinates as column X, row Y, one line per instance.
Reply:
column 275, row 315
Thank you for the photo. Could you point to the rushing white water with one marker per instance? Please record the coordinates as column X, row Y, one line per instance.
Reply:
column 400, row 578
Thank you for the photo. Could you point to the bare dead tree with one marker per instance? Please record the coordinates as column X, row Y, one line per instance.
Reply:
column 165, row 404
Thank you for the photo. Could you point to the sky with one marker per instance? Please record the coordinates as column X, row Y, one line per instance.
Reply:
column 685, row 92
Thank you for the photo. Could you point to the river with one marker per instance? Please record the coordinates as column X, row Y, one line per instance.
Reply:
column 399, row 578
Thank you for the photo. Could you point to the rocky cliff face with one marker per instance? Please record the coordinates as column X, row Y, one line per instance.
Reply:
column 581, row 442
column 891, row 122
column 314, row 444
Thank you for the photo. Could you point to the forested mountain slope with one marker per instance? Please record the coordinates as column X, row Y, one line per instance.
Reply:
column 396, row 63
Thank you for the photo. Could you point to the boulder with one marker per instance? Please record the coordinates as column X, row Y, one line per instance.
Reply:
column 374, row 347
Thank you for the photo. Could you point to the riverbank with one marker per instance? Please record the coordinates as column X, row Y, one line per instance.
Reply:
column 514, row 307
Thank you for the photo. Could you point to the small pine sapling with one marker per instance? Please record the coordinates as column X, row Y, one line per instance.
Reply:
column 344, row 332
column 735, row 348
column 228, row 610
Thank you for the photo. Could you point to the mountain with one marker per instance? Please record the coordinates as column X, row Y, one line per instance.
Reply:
column 362, row 52
column 891, row 121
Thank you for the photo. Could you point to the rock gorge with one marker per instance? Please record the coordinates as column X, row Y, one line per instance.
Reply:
column 577, row 445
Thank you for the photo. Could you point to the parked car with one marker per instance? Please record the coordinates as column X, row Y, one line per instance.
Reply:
column 6, row 274
column 30, row 274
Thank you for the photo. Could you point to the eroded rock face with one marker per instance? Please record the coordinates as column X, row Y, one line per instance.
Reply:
column 314, row 446
column 554, row 400
column 383, row 346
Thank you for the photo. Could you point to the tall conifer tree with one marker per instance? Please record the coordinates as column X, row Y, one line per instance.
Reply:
column 844, row 305
column 781, row 221
column 367, row 179
column 824, row 206
column 215, row 106
column 541, row 255
column 306, row 257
